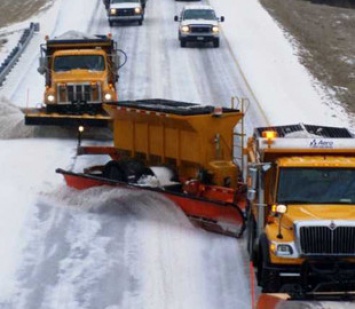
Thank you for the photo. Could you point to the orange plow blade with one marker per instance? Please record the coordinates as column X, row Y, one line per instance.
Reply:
column 212, row 215
column 218, row 217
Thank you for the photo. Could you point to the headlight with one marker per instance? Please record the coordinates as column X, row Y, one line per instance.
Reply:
column 185, row 29
column 108, row 97
column 284, row 250
column 281, row 209
column 137, row 10
column 50, row 98
column 215, row 29
column 113, row 11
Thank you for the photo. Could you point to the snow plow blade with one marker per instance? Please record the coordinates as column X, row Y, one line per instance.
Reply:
column 211, row 215
column 39, row 117
column 283, row 301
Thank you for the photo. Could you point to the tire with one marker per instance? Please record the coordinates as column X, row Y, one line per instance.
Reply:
column 140, row 23
column 216, row 43
column 110, row 23
column 251, row 225
column 182, row 43
column 269, row 280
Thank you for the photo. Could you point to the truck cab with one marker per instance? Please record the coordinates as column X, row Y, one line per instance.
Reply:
column 80, row 73
column 301, row 222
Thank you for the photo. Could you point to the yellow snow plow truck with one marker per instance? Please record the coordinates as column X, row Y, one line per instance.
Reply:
column 80, row 76
column 301, row 221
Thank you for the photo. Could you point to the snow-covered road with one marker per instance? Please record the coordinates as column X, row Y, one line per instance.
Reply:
column 111, row 249
column 107, row 248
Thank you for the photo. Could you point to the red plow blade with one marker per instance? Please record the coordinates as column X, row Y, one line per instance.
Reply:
column 215, row 216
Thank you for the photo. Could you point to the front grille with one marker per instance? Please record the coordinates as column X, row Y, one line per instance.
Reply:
column 125, row 12
column 327, row 240
column 200, row 29
column 85, row 92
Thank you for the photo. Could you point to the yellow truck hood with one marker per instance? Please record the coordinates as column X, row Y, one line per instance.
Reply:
column 317, row 212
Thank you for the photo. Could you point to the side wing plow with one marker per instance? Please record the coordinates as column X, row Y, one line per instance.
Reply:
column 212, row 215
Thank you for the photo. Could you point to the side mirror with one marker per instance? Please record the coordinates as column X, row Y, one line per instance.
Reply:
column 176, row 18
column 253, row 177
column 116, row 60
column 43, row 63
column 251, row 194
column 222, row 19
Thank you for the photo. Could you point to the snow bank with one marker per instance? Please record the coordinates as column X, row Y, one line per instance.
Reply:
column 12, row 121
column 120, row 202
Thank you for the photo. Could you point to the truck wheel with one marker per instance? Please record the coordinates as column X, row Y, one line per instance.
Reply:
column 140, row 22
column 113, row 170
column 110, row 23
column 216, row 43
column 269, row 280
column 182, row 43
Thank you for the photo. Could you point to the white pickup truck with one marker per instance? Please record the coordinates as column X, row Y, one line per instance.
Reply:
column 120, row 11
column 198, row 23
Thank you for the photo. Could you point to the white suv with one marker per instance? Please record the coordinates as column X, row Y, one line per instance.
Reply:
column 199, row 23
column 125, row 11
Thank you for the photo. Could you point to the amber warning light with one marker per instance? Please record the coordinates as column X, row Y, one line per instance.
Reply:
column 270, row 136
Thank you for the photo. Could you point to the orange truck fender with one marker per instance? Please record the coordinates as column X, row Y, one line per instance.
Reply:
column 271, row 301
column 281, row 301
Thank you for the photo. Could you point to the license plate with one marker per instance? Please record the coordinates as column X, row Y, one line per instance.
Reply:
column 200, row 38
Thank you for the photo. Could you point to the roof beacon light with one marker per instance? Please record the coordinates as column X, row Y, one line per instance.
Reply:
column 218, row 111
column 269, row 135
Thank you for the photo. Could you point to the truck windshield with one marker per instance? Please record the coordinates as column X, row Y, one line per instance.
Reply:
column 81, row 62
column 199, row 14
column 316, row 186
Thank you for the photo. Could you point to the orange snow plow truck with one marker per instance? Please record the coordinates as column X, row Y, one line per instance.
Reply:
column 80, row 75
column 298, row 198
column 181, row 150
column 301, row 220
